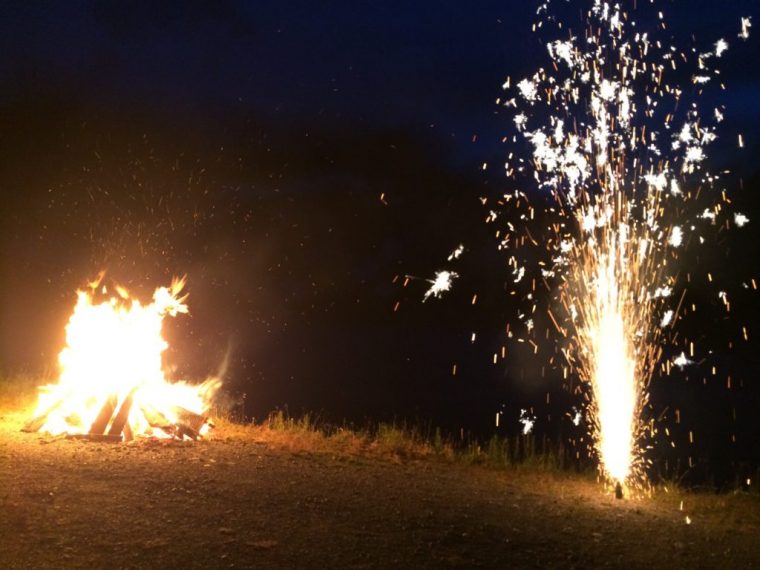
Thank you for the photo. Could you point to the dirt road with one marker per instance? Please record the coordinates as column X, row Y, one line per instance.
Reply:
column 239, row 502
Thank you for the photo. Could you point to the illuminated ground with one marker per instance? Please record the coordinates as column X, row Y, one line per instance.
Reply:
column 243, row 502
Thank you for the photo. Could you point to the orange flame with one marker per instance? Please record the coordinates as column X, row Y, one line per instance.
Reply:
column 113, row 352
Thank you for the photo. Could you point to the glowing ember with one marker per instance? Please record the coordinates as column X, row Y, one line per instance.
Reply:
column 113, row 361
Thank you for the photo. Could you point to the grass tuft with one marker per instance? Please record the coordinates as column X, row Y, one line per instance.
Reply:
column 398, row 442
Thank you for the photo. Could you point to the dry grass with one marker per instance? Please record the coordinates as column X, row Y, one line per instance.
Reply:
column 396, row 443
column 303, row 435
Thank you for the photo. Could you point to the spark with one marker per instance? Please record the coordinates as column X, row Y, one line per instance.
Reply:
column 746, row 24
column 694, row 155
column 663, row 292
column 563, row 51
column 527, row 421
column 527, row 90
column 658, row 181
column 682, row 361
column 740, row 220
column 456, row 254
column 708, row 215
column 676, row 236
column 440, row 284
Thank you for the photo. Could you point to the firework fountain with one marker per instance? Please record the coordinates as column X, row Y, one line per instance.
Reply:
column 620, row 147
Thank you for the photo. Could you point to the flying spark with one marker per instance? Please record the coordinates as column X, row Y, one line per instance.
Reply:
column 527, row 421
column 682, row 361
column 440, row 284
column 740, row 220
column 457, row 253
column 746, row 24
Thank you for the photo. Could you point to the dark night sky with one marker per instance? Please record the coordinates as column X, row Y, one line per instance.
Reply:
column 247, row 144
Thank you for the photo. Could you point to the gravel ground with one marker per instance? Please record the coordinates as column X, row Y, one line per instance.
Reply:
column 242, row 501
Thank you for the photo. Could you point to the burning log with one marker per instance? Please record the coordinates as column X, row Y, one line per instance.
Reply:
column 188, row 423
column 120, row 420
column 185, row 431
column 98, row 427
column 36, row 423
column 128, row 435
column 157, row 420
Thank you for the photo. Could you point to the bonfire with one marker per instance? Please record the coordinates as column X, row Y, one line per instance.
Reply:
column 112, row 383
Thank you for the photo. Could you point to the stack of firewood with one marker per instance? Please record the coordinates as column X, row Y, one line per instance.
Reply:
column 111, row 423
